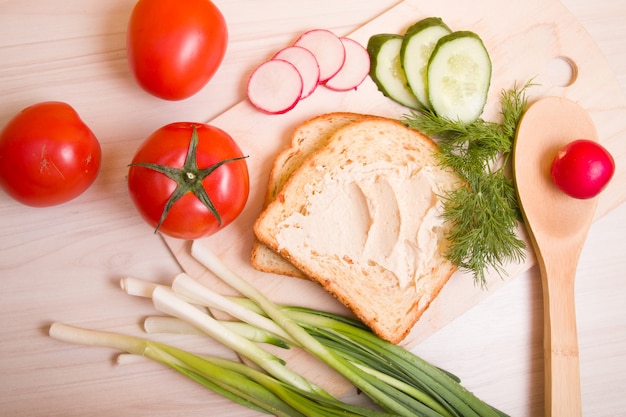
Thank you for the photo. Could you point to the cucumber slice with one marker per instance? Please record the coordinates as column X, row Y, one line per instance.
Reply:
column 386, row 70
column 418, row 44
column 459, row 75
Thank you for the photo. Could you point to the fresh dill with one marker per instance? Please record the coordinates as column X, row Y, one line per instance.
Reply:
column 485, row 213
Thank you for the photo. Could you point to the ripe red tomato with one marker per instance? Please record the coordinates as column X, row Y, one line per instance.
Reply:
column 48, row 155
column 189, row 180
column 582, row 168
column 174, row 47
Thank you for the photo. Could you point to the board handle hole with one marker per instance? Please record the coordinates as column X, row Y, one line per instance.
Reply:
column 562, row 71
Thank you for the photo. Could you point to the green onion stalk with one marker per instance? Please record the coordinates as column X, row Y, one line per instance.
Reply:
column 389, row 398
column 399, row 382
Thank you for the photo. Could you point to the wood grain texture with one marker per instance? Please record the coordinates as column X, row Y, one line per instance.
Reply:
column 64, row 263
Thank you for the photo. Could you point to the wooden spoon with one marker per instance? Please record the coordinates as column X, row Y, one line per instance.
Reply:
column 558, row 226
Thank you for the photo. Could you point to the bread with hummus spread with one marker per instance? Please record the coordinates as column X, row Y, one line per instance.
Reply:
column 307, row 138
column 361, row 216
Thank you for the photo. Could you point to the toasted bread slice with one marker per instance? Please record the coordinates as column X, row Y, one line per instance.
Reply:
column 306, row 139
column 361, row 216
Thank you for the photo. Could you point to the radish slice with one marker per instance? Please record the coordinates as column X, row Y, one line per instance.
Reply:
column 305, row 63
column 275, row 86
column 355, row 68
column 327, row 48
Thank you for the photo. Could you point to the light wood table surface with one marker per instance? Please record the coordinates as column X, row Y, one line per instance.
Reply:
column 64, row 263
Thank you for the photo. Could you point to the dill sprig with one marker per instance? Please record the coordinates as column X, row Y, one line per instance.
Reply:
column 485, row 213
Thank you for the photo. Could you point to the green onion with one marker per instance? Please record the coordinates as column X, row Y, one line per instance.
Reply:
column 388, row 397
column 233, row 380
column 367, row 384
column 212, row 375
column 399, row 382
column 166, row 301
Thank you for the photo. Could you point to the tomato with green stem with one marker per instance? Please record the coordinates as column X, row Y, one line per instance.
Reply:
column 175, row 47
column 189, row 180
column 48, row 155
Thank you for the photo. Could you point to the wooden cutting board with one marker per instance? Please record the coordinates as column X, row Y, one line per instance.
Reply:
column 535, row 39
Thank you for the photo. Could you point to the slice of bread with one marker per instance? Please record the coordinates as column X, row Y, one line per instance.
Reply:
column 307, row 138
column 350, row 217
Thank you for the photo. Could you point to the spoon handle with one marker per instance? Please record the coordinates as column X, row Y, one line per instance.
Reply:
column 562, row 369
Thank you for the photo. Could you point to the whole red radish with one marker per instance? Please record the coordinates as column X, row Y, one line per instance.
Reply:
column 582, row 168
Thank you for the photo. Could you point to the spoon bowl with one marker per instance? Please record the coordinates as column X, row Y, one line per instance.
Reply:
column 558, row 225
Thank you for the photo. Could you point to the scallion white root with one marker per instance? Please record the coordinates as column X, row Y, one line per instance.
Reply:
column 168, row 324
column 129, row 359
column 137, row 287
column 80, row 336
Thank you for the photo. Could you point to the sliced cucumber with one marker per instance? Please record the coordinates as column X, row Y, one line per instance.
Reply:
column 418, row 44
column 386, row 70
column 459, row 75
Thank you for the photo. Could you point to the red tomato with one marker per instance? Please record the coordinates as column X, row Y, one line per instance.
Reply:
column 174, row 47
column 582, row 168
column 48, row 155
column 178, row 167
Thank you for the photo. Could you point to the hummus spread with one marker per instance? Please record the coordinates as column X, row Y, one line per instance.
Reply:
column 375, row 214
